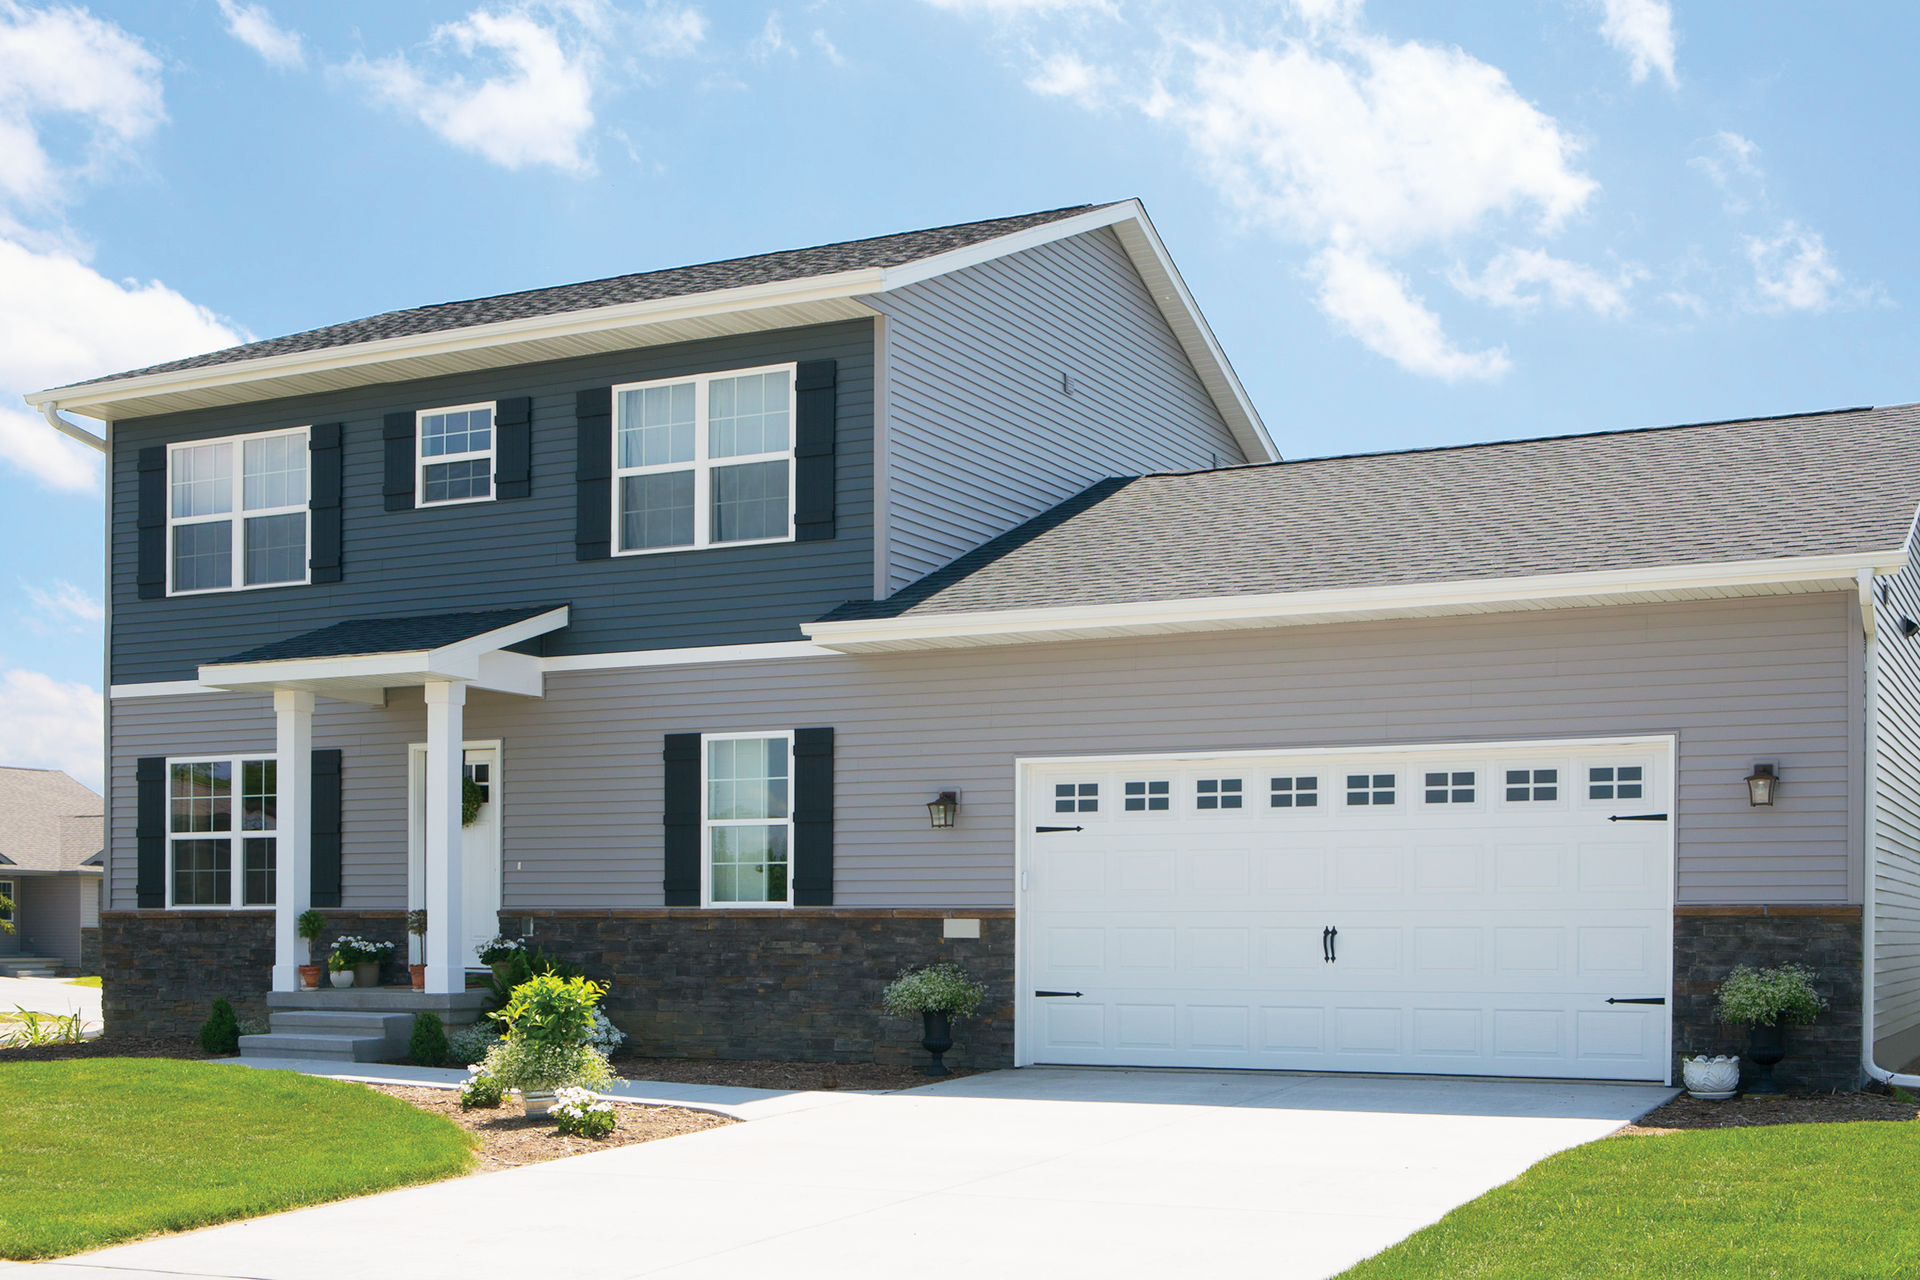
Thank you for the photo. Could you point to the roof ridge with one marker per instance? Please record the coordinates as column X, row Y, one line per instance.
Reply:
column 1495, row 444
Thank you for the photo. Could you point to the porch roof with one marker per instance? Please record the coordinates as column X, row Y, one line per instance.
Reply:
column 360, row 659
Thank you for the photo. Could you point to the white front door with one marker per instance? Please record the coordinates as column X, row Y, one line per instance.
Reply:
column 480, row 870
column 1449, row 910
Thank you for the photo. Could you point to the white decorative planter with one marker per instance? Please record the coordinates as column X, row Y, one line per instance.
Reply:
column 341, row 977
column 537, row 1103
column 1711, row 1078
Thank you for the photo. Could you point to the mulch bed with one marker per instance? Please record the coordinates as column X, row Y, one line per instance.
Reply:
column 110, row 1047
column 760, row 1074
column 1685, row 1113
column 509, row 1139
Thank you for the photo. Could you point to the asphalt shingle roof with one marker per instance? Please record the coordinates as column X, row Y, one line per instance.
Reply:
column 1813, row 484
column 358, row 637
column 733, row 273
column 48, row 822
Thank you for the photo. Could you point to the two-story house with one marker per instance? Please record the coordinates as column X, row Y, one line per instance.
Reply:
column 748, row 631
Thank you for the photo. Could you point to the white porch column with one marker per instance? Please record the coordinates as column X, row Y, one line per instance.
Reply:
column 293, row 831
column 446, row 931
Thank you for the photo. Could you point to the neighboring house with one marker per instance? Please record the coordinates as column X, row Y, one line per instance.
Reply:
column 50, row 867
column 713, row 579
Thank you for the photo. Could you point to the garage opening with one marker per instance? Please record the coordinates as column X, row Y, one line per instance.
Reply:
column 1500, row 909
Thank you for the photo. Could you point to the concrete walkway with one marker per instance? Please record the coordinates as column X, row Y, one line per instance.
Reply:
column 1039, row 1172
column 50, row 995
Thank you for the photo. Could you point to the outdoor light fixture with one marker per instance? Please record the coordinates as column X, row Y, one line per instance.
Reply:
column 942, row 808
column 1908, row 626
column 1760, row 785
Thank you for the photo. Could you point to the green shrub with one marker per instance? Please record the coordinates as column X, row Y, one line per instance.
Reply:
column 579, row 1115
column 937, row 988
column 470, row 1043
column 523, row 1064
column 481, row 1090
column 220, row 1033
column 1784, row 994
column 427, row 1047
column 551, row 1011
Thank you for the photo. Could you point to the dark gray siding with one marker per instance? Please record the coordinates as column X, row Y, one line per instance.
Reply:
column 498, row 554
column 981, row 435
column 1737, row 680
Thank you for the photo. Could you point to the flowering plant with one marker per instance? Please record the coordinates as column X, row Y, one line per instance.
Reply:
column 938, row 988
column 580, row 1114
column 351, row 950
column 481, row 1090
column 526, row 1065
column 1765, row 996
column 498, row 949
column 551, row 1010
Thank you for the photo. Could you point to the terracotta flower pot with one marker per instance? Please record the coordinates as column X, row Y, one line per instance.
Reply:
column 309, row 977
column 419, row 973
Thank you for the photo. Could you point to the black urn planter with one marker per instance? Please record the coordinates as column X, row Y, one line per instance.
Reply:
column 1766, row 1045
column 936, row 1038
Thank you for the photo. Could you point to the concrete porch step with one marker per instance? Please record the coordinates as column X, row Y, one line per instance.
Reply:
column 322, row 1022
column 455, row 1009
column 281, row 1044
column 29, row 966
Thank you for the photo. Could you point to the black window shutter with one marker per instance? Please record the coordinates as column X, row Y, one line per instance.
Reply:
column 593, row 478
column 816, row 414
column 323, row 501
column 152, row 523
column 682, row 819
column 324, row 852
column 150, row 830
column 399, row 437
column 813, row 817
column 513, row 447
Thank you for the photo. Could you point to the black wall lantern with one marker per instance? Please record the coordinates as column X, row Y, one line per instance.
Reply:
column 1761, row 784
column 942, row 809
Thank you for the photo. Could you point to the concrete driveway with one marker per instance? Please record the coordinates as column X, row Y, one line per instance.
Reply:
column 1039, row 1172
column 50, row 995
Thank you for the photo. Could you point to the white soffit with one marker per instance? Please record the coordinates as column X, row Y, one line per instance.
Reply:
column 1799, row 575
column 782, row 304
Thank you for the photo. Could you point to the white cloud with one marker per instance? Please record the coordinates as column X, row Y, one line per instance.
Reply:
column 1791, row 271
column 1519, row 279
column 61, row 321
column 66, row 609
column 1375, row 305
column 1018, row 8
column 1643, row 30
column 63, row 62
column 1067, row 75
column 534, row 109
column 771, row 40
column 1729, row 163
column 254, row 27
column 826, row 46
column 670, row 33
column 51, row 724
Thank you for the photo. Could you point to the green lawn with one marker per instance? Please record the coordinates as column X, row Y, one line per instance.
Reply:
column 1782, row 1202
column 101, row 1150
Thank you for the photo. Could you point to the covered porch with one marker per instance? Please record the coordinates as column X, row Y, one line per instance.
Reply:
column 359, row 661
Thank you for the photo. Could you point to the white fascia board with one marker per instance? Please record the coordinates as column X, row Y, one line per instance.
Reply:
column 479, row 660
column 717, row 653
column 500, row 637
column 941, row 630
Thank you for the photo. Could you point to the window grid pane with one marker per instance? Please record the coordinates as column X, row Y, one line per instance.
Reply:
column 259, row 802
column 202, row 480
column 451, row 481
column 275, row 472
column 747, row 415
column 202, row 796
column 203, row 555
column 276, row 548
column 1524, row 785
column 746, row 779
column 462, row 431
column 656, row 426
column 1370, row 789
column 656, row 510
column 1623, row 782
column 1148, row 797
column 1294, row 793
column 749, row 863
column 203, row 873
column 750, row 502
column 261, row 856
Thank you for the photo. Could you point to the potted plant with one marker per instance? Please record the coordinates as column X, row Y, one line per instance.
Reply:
column 1766, row 1001
column 1715, row 1079
column 363, row 957
column 339, row 970
column 417, row 926
column 498, row 955
column 309, row 924
column 548, row 1024
column 939, row 993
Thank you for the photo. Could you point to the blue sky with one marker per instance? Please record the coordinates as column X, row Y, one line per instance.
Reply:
column 1409, row 224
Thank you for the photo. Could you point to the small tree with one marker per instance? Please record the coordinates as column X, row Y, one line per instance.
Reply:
column 220, row 1033
column 428, row 1045
column 310, row 924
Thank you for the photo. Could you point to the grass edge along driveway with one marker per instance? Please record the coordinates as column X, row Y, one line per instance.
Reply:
column 1782, row 1201
column 99, row 1151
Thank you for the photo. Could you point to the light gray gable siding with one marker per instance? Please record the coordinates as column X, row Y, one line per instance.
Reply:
column 515, row 552
column 1896, row 862
column 1765, row 678
column 980, row 435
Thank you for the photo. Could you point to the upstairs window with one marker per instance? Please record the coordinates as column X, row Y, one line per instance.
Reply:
column 703, row 462
column 455, row 458
column 222, row 819
column 237, row 512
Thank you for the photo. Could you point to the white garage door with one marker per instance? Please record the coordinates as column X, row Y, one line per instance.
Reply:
column 1467, row 910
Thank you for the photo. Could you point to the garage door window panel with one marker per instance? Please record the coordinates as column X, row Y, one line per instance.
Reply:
column 1532, row 786
column 1152, row 795
column 1076, row 797
column 1370, row 789
column 1218, row 793
column 1616, row 782
column 1299, row 791
column 1450, row 786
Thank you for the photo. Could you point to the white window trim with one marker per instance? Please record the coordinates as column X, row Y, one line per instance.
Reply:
column 702, row 465
column 707, row 824
column 237, row 515
column 421, row 461
column 237, row 856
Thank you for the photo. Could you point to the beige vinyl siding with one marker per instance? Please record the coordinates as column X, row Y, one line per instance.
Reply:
column 981, row 436
column 1896, row 923
column 48, row 916
column 1735, row 680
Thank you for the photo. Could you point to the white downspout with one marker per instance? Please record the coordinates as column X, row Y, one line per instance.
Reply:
column 1872, row 852
column 51, row 412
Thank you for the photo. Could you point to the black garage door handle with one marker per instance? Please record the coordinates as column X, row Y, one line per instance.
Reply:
column 1636, row 999
column 1047, row 994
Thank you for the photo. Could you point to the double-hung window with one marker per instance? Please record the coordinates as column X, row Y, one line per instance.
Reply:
column 237, row 512
column 454, row 462
column 703, row 462
column 221, row 824
column 748, row 816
